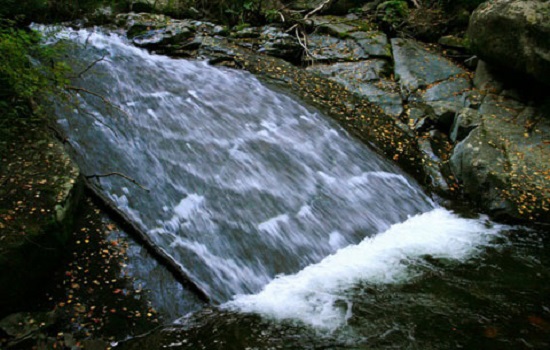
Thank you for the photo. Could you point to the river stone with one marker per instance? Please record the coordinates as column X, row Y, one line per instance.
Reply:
column 452, row 42
column 465, row 121
column 449, row 90
column 417, row 67
column 366, row 80
column 432, row 166
column 171, row 34
column 374, row 43
column 246, row 33
column 333, row 25
column 280, row 44
column 151, row 20
column 328, row 48
column 485, row 79
column 513, row 34
column 444, row 114
column 504, row 162
column 418, row 117
column 336, row 7
column 500, row 106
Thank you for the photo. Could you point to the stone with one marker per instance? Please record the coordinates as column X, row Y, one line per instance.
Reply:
column 465, row 121
column 373, row 43
column 246, row 33
column 418, row 117
column 448, row 90
column 366, row 79
column 417, row 67
column 444, row 114
column 432, row 166
column 332, row 25
column 452, row 42
column 502, row 164
column 513, row 35
column 171, row 34
column 328, row 48
column 485, row 79
column 22, row 324
column 280, row 44
column 500, row 106
column 337, row 7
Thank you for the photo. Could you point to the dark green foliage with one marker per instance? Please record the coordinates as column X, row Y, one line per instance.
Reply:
column 393, row 11
column 239, row 11
column 22, row 80
column 454, row 5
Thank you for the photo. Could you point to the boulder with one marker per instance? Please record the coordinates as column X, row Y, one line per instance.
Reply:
column 513, row 34
column 504, row 164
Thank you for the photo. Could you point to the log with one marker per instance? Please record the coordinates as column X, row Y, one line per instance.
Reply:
column 142, row 238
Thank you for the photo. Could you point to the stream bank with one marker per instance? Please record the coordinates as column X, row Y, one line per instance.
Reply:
column 392, row 135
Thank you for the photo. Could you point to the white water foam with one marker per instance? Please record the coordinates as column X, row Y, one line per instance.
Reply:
column 315, row 294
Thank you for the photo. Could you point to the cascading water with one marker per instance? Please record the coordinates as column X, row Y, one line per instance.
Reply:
column 245, row 183
column 269, row 206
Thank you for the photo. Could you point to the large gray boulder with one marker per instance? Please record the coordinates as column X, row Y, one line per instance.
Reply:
column 504, row 162
column 513, row 34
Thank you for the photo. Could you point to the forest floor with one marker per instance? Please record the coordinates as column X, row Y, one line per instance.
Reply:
column 79, row 293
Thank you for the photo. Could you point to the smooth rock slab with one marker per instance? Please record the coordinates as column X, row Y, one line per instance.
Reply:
column 417, row 67
column 366, row 80
column 328, row 48
column 451, row 90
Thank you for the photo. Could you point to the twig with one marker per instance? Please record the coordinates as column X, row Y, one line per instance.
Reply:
column 90, row 66
column 317, row 9
column 101, row 97
column 416, row 4
column 160, row 255
column 310, row 13
column 91, row 115
column 303, row 44
column 97, row 176
column 58, row 134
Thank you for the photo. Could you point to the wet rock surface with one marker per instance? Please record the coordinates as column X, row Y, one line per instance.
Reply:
column 397, row 94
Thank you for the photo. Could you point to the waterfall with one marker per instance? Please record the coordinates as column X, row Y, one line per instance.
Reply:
column 259, row 197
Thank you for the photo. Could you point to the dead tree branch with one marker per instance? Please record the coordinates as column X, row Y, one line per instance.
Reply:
column 90, row 66
column 141, row 236
column 97, row 176
column 416, row 4
column 77, row 89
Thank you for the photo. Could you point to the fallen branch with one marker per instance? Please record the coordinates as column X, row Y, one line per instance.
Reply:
column 95, row 94
column 141, row 237
column 416, row 4
column 310, row 13
column 97, row 176
column 90, row 66
column 303, row 44
column 91, row 115
column 318, row 8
